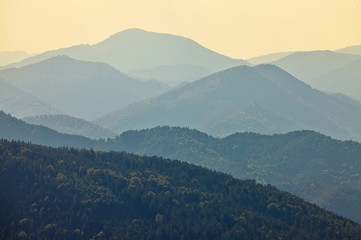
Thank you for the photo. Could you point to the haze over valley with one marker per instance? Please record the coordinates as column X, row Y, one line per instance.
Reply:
column 180, row 120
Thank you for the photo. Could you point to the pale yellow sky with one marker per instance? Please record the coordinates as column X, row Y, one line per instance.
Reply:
column 237, row 28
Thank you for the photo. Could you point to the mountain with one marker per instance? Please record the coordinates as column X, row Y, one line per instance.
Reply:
column 82, row 89
column 49, row 193
column 309, row 65
column 263, row 99
column 317, row 168
column 315, row 67
column 345, row 79
column 136, row 49
column 9, row 57
column 21, row 104
column 268, row 58
column 350, row 50
column 173, row 74
column 71, row 125
column 15, row 129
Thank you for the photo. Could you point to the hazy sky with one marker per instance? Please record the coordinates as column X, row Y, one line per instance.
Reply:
column 237, row 28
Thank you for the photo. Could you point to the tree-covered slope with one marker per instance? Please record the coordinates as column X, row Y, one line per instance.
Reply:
column 318, row 168
column 63, row 193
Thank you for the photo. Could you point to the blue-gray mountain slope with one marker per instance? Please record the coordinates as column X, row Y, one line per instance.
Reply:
column 263, row 99
column 79, row 88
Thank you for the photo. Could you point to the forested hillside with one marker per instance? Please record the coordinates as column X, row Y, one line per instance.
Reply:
column 49, row 193
column 318, row 168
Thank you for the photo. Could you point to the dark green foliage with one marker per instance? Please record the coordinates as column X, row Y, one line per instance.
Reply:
column 48, row 193
column 318, row 168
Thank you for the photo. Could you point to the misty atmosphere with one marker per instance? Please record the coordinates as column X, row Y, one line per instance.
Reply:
column 159, row 121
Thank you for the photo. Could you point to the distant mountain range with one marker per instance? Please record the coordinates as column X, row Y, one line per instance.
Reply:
column 326, row 70
column 114, row 95
column 9, row 57
column 21, row 104
column 15, row 129
column 135, row 49
column 350, row 50
column 319, row 169
column 71, row 125
column 173, row 75
column 268, row 58
column 82, row 89
column 263, row 99
column 345, row 79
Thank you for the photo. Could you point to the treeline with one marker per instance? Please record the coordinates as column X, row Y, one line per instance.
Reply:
column 66, row 193
column 318, row 168
column 315, row 167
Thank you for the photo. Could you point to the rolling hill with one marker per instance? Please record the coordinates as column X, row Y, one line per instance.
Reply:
column 71, row 125
column 21, row 104
column 317, row 168
column 78, row 88
column 325, row 71
column 263, row 99
column 345, row 79
column 51, row 193
column 15, row 129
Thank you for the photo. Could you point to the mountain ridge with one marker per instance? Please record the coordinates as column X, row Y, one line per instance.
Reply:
column 137, row 197
column 80, row 88
column 135, row 49
column 311, row 165
column 306, row 163
column 12, row 128
column 313, row 68
column 263, row 99
column 70, row 125
column 21, row 103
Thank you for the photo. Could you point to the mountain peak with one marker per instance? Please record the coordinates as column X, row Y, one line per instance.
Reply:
column 60, row 58
column 263, row 99
column 135, row 49
column 139, row 31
